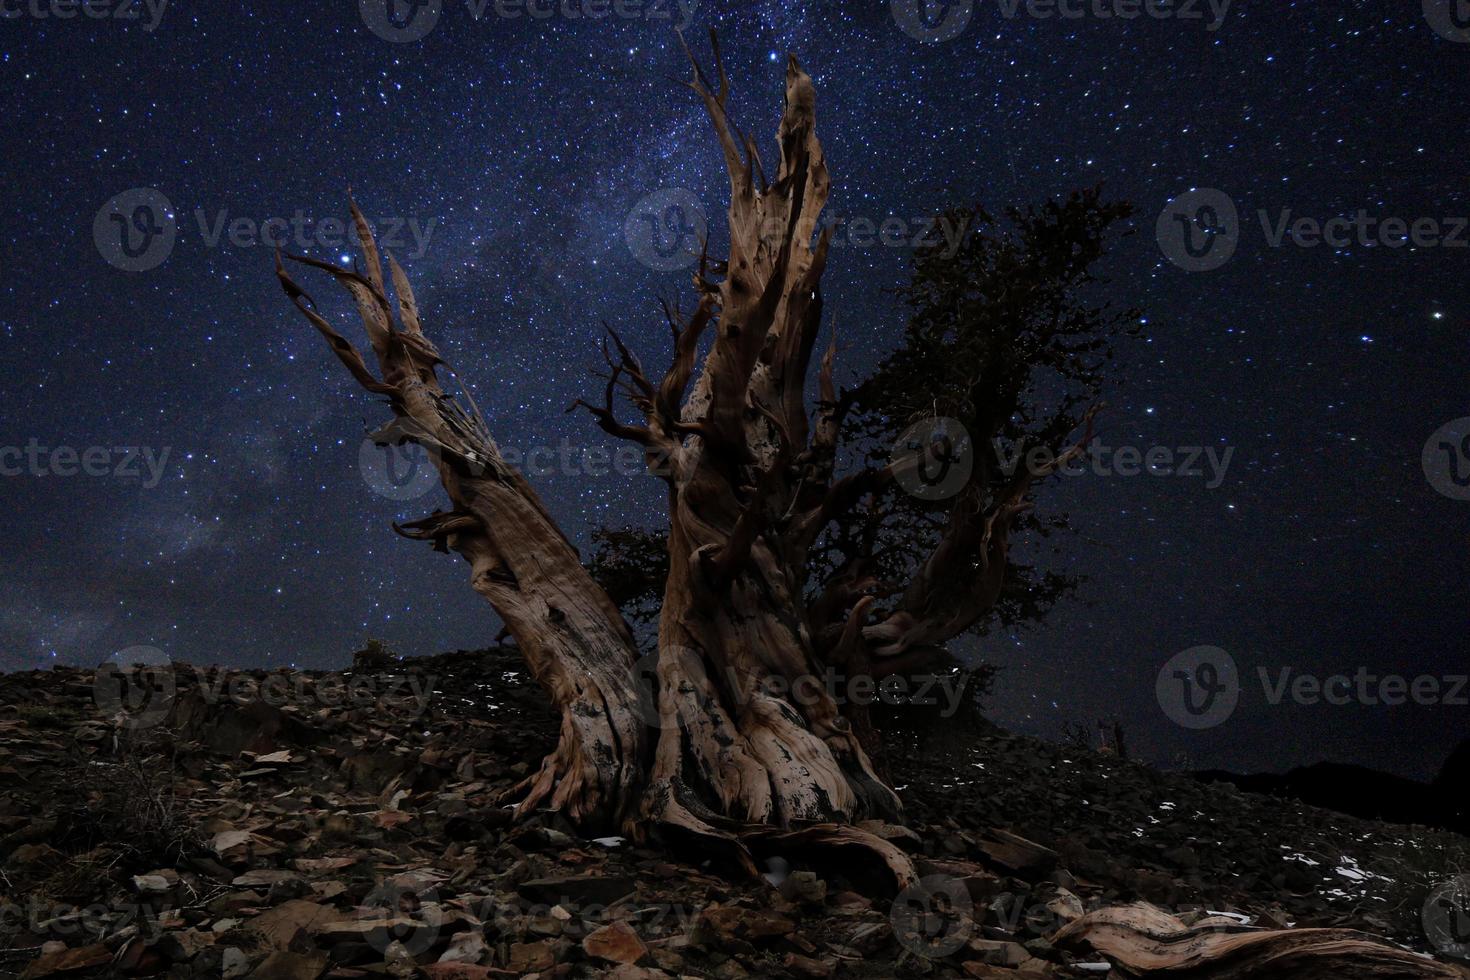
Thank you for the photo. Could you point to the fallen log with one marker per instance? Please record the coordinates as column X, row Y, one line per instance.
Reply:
column 1143, row 941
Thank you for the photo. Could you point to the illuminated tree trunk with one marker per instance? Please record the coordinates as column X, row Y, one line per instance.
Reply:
column 738, row 740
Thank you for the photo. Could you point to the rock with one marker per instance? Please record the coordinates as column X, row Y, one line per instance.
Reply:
column 31, row 855
column 319, row 865
column 377, row 931
column 398, row 961
column 282, row 965
column 1182, row 857
column 460, row 971
column 804, row 887
column 999, row 953
column 577, row 889
column 467, row 947
column 625, row 971
column 1300, row 879
column 983, row 971
column 280, row 927
column 530, row 957
column 615, row 942
column 264, row 877
column 183, row 945
column 156, row 882
column 1065, row 907
column 232, row 846
column 805, row 966
column 234, row 963
column 1019, row 855
column 65, row 961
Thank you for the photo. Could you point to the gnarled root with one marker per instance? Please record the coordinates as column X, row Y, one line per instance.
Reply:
column 1147, row 942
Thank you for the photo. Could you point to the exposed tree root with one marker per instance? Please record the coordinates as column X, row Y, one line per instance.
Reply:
column 1147, row 942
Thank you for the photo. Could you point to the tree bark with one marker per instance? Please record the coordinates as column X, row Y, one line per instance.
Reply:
column 572, row 636
column 747, row 732
column 1147, row 942
column 741, row 737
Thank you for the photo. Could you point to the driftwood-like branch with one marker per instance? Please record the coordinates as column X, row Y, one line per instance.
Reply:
column 571, row 634
column 1144, row 941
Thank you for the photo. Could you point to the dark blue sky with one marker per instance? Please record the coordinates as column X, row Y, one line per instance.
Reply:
column 518, row 148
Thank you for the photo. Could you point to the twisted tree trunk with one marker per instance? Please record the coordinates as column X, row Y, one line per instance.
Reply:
column 572, row 636
column 738, row 744
column 727, row 752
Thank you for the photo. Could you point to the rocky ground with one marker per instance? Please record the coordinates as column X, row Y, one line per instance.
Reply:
column 345, row 825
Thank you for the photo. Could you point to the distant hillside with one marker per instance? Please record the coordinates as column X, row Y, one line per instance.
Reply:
column 1368, row 793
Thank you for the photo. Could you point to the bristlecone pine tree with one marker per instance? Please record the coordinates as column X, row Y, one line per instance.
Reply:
column 709, row 745
column 712, row 748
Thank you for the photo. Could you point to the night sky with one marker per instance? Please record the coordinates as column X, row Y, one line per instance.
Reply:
column 522, row 145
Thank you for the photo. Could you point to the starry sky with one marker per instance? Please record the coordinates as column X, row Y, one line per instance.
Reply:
column 518, row 147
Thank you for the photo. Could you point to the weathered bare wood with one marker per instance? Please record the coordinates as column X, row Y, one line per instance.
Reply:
column 1146, row 942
